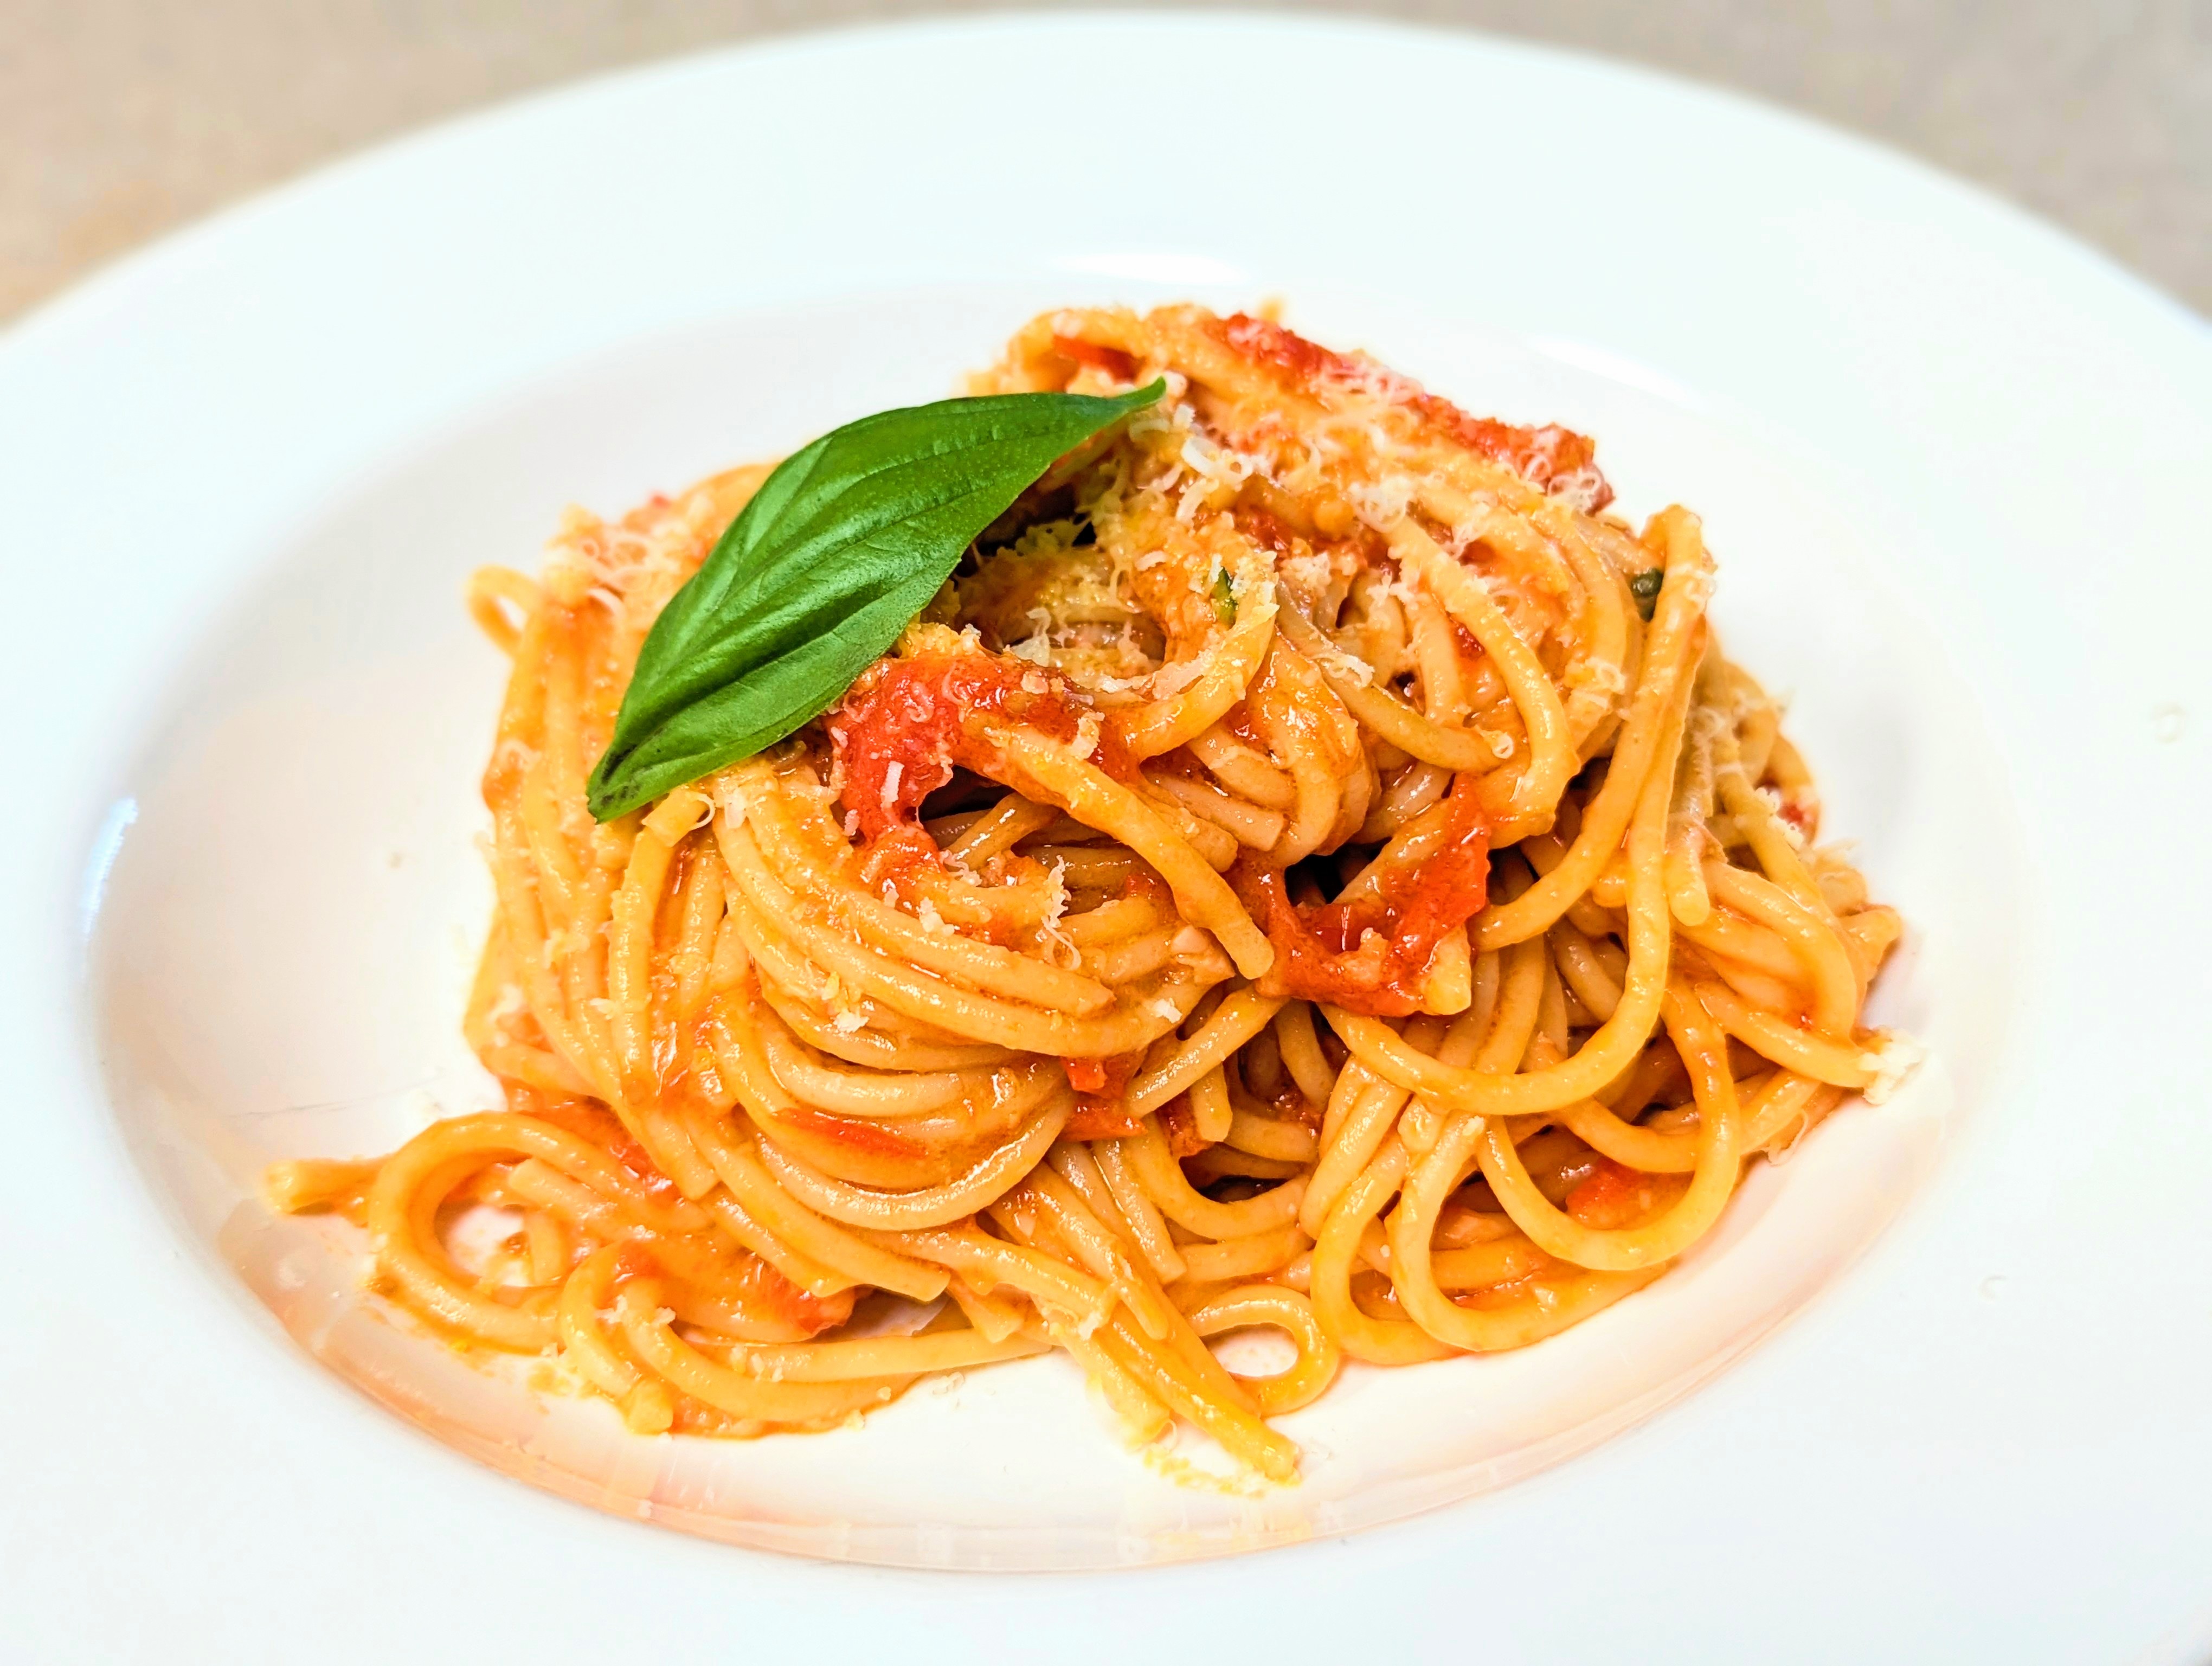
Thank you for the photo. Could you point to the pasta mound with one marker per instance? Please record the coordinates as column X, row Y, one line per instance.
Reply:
column 1311, row 867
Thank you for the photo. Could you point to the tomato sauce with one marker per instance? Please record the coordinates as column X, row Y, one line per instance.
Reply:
column 1145, row 886
column 1264, row 529
column 634, row 1261
column 1369, row 956
column 1121, row 366
column 1239, row 721
column 1101, row 1088
column 760, row 1286
column 764, row 1284
column 587, row 1119
column 1615, row 1196
column 1538, row 455
column 851, row 1132
column 1290, row 1105
column 919, row 717
column 1179, row 1124
column 1097, row 1119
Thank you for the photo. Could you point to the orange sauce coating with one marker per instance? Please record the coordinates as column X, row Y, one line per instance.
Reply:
column 904, row 725
column 1121, row 366
column 1101, row 1094
column 1369, row 956
column 1614, row 1196
column 1538, row 455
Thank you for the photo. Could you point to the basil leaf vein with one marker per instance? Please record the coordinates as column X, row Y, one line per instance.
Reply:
column 842, row 547
column 1224, row 597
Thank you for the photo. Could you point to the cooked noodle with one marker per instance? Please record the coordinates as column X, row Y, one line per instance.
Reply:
column 1296, row 875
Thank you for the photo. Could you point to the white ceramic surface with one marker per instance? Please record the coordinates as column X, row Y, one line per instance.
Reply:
column 1948, row 460
column 289, row 927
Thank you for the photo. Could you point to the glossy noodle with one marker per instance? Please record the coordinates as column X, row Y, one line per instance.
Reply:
column 1312, row 869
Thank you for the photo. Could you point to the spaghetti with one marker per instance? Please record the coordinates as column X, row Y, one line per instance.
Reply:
column 1312, row 868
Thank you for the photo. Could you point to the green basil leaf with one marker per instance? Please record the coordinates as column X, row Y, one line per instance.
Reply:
column 839, row 550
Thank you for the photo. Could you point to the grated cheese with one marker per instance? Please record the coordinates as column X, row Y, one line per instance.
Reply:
column 1049, row 928
column 566, row 941
column 1219, row 464
column 1578, row 489
column 513, row 754
column 1177, row 675
column 1348, row 665
column 1606, row 677
column 1037, row 650
column 1310, row 573
column 1893, row 1063
column 891, row 778
column 1381, row 505
column 1790, row 830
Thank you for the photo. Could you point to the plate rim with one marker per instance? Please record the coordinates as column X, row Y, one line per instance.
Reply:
column 113, row 286
column 91, row 286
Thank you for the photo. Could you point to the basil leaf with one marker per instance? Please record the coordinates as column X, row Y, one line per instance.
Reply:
column 839, row 550
column 1644, row 587
column 1225, row 599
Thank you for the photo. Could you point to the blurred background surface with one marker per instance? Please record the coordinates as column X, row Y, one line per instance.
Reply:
column 120, row 119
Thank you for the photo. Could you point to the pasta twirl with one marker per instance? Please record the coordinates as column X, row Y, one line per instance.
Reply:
column 1311, row 867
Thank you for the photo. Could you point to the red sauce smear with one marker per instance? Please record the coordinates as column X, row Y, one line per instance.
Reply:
column 1539, row 455
column 1263, row 527
column 760, row 1286
column 851, row 1132
column 1325, row 952
column 926, row 715
column 587, row 1119
column 634, row 1261
column 1121, row 366
column 795, row 1306
column 1615, row 1196
column 1102, row 1085
column 1240, row 722
column 1179, row 1124
column 1291, row 1106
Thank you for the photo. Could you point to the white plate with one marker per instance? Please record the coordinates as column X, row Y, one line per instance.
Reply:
column 1950, row 462
column 289, row 928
